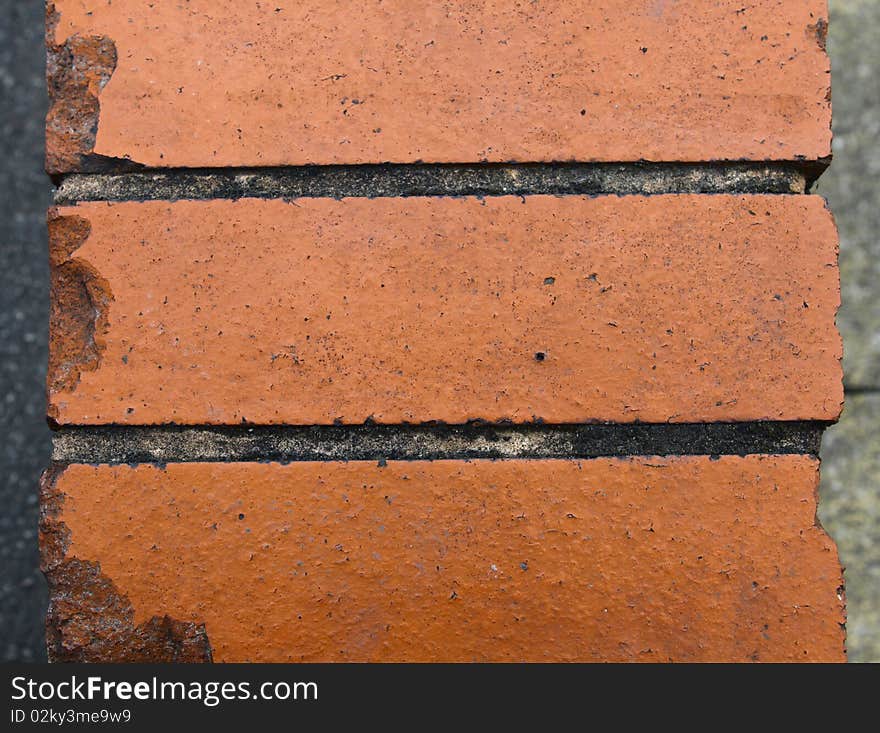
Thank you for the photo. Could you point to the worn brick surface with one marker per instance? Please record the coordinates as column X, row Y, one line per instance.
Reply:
column 573, row 309
column 175, row 308
column 608, row 559
column 230, row 83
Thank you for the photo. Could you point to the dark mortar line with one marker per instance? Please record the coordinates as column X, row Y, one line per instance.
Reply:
column 116, row 444
column 419, row 179
column 856, row 389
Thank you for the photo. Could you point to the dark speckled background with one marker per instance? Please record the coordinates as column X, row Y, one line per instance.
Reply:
column 851, row 451
column 24, row 298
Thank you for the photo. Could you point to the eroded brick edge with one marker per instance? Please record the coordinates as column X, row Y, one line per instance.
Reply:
column 89, row 619
column 76, row 72
column 79, row 299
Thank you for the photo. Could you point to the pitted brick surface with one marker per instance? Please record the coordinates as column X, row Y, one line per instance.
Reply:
column 386, row 242
column 553, row 309
column 230, row 83
column 642, row 559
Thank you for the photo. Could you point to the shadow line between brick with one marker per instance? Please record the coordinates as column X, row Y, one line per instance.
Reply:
column 174, row 444
column 402, row 180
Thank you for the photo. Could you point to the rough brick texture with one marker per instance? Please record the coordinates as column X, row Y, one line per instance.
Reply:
column 686, row 559
column 658, row 309
column 230, row 83
column 619, row 290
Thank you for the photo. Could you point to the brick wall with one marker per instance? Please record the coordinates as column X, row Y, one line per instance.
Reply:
column 461, row 331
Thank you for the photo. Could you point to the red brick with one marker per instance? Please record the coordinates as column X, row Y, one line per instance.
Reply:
column 227, row 83
column 649, row 559
column 572, row 309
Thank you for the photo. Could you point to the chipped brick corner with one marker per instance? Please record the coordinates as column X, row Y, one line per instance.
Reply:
column 76, row 72
column 88, row 619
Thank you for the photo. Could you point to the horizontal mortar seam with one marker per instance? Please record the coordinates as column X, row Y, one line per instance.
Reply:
column 437, row 180
column 117, row 444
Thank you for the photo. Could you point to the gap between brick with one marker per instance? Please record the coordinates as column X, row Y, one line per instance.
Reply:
column 399, row 180
column 118, row 444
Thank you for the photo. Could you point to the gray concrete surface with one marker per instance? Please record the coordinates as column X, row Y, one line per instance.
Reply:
column 850, row 507
column 850, row 491
column 852, row 184
column 850, row 510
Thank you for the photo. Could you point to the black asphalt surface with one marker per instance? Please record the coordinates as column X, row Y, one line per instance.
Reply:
column 25, row 192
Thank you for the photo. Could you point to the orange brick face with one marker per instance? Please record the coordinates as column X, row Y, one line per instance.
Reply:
column 239, row 276
column 226, row 83
column 660, row 309
column 647, row 559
